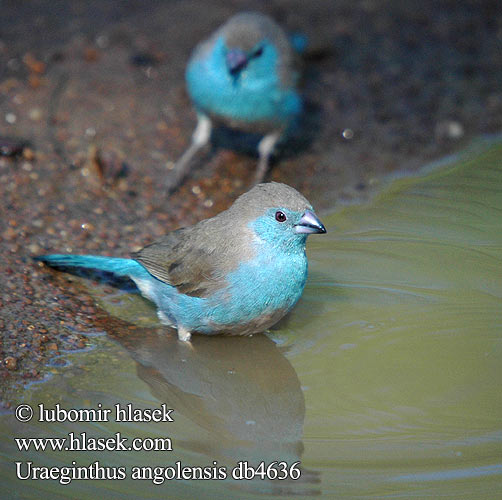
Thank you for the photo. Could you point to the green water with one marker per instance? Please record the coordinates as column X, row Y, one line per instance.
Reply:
column 385, row 381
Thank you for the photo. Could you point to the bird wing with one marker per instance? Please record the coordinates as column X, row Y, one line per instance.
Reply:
column 187, row 260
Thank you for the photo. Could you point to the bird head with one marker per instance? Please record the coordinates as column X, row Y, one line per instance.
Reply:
column 278, row 215
column 253, row 43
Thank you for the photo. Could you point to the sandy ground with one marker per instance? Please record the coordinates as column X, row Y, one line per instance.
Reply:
column 94, row 113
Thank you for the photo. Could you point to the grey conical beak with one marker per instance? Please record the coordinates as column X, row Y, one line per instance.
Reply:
column 236, row 60
column 309, row 224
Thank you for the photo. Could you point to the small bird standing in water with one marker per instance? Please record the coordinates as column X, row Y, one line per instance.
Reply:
column 237, row 273
column 243, row 76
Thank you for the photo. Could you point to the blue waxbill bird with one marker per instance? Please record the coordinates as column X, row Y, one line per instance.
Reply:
column 237, row 273
column 244, row 77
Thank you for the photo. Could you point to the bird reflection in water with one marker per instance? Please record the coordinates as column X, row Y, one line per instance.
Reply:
column 242, row 390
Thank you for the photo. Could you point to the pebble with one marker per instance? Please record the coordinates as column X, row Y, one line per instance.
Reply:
column 34, row 248
column 10, row 363
column 35, row 114
column 33, row 64
column 449, row 129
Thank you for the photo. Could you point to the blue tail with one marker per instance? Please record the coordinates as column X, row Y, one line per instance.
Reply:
column 120, row 267
column 299, row 41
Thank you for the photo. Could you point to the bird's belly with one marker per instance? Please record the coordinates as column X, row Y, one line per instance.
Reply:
column 258, row 324
column 222, row 314
column 257, row 297
column 243, row 110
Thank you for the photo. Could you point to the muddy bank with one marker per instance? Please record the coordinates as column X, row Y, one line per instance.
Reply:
column 93, row 114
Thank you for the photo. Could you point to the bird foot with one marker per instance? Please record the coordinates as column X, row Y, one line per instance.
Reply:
column 265, row 150
column 183, row 334
column 200, row 138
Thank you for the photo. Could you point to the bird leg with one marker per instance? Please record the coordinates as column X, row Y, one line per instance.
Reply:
column 200, row 138
column 265, row 149
column 183, row 334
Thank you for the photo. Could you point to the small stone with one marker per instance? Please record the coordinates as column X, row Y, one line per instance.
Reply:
column 102, row 41
column 28, row 154
column 33, row 64
column 449, row 129
column 35, row 114
column 52, row 346
column 34, row 248
column 91, row 54
column 10, row 363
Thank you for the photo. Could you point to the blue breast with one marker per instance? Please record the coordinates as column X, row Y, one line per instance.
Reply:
column 262, row 286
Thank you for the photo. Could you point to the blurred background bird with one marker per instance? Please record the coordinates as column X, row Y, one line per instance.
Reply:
column 244, row 77
column 237, row 273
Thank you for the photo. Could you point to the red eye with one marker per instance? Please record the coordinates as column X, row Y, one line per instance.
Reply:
column 280, row 216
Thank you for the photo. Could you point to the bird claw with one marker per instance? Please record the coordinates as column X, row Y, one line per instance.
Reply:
column 183, row 334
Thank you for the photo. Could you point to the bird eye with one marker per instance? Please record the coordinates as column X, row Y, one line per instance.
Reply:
column 258, row 52
column 280, row 216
